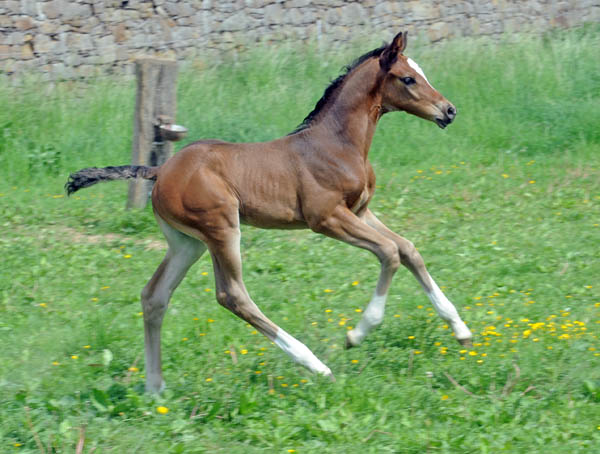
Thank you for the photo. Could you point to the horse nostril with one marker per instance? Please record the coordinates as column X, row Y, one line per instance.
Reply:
column 451, row 111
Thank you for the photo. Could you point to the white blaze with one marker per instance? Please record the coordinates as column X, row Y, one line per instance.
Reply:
column 414, row 65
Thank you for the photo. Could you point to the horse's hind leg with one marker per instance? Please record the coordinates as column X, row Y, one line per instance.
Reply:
column 232, row 294
column 183, row 252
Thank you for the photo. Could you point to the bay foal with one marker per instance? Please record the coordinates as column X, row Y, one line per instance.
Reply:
column 318, row 177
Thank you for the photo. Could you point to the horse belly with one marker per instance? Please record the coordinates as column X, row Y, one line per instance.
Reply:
column 271, row 215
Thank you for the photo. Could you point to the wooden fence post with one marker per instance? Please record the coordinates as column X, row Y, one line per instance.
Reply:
column 155, row 103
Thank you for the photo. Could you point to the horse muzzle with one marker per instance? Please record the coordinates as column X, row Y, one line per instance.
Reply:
column 449, row 114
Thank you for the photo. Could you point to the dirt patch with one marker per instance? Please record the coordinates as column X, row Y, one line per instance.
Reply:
column 83, row 238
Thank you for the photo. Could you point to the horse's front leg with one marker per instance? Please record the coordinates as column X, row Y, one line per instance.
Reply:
column 411, row 259
column 344, row 225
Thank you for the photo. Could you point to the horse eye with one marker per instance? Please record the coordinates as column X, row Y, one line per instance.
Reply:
column 408, row 80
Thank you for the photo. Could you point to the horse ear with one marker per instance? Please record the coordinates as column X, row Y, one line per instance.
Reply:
column 400, row 40
column 390, row 54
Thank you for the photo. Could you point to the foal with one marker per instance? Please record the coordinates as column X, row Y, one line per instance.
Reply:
column 318, row 177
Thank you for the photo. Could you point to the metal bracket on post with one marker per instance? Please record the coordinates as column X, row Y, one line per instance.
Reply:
column 164, row 133
column 155, row 108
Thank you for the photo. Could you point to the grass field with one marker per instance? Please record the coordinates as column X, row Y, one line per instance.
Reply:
column 504, row 205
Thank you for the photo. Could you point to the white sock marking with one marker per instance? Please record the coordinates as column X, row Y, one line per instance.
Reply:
column 372, row 317
column 448, row 312
column 300, row 353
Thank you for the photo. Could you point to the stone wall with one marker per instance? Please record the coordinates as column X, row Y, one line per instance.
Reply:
column 80, row 38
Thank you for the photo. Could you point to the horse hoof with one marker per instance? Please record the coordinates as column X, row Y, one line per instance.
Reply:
column 330, row 377
column 155, row 387
column 468, row 343
column 327, row 374
column 349, row 341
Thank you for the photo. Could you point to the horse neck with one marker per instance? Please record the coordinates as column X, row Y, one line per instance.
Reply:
column 356, row 109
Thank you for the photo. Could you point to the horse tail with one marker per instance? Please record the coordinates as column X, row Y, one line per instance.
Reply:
column 92, row 175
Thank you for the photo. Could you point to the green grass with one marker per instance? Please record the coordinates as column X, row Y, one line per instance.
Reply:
column 504, row 205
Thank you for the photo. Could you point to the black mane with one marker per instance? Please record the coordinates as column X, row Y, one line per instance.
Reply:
column 332, row 88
